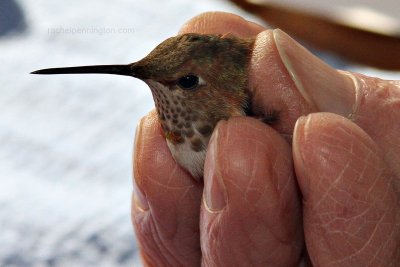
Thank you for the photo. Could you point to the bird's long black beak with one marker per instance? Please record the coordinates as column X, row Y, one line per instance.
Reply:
column 126, row 70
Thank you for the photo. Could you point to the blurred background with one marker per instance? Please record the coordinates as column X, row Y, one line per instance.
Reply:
column 66, row 141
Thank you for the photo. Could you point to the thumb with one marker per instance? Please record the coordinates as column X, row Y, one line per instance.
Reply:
column 287, row 80
column 371, row 103
column 323, row 87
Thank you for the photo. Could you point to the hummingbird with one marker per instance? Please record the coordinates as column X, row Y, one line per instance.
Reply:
column 196, row 81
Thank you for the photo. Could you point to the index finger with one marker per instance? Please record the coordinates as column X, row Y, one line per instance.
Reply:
column 221, row 23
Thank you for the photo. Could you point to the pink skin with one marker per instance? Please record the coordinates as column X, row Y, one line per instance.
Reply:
column 331, row 195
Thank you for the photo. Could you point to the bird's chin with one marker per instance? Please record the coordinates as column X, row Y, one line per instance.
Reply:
column 190, row 160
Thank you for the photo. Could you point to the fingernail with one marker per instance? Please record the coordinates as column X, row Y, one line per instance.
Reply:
column 299, row 137
column 140, row 199
column 214, row 193
column 138, row 133
column 322, row 86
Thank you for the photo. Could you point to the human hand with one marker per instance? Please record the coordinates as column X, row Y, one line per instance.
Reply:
column 334, row 191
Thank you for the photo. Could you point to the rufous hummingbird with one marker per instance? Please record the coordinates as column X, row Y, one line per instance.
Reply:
column 196, row 80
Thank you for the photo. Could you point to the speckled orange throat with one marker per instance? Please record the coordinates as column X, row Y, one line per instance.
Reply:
column 173, row 137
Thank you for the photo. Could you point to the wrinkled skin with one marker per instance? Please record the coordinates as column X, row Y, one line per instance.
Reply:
column 328, row 198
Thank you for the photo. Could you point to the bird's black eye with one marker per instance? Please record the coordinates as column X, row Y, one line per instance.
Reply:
column 188, row 82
